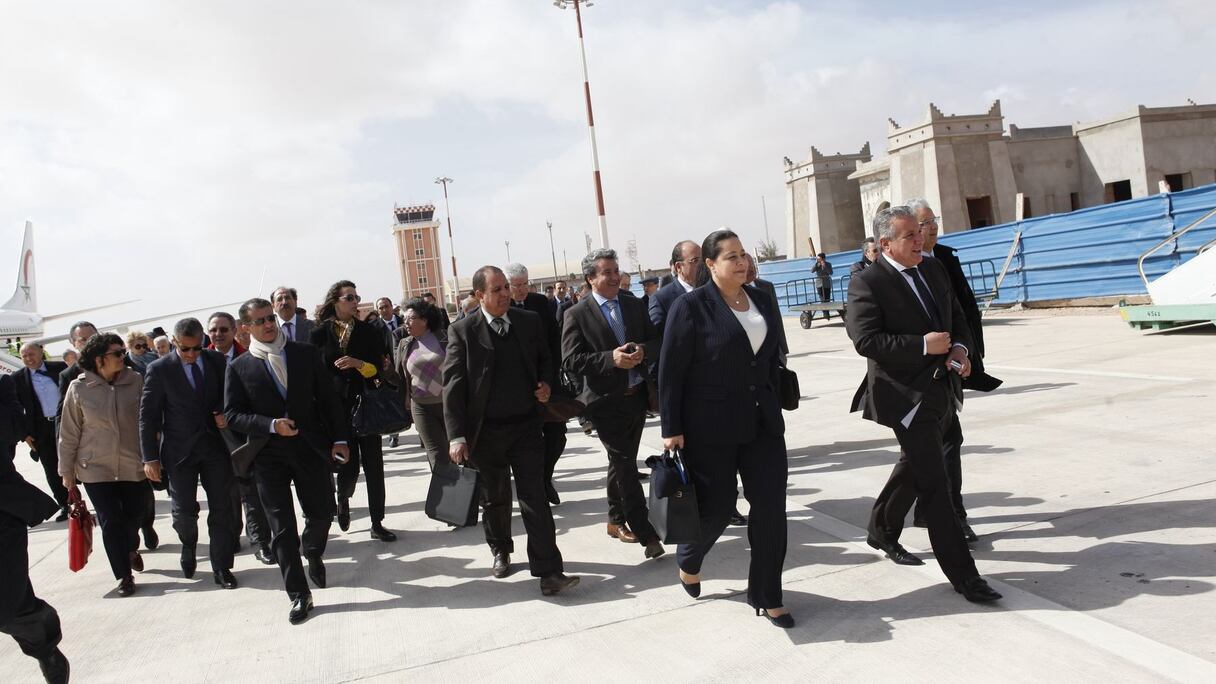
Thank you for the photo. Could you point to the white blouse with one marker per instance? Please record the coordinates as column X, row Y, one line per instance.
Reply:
column 753, row 324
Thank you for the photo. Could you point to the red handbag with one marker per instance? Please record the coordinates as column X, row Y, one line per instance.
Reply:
column 80, row 532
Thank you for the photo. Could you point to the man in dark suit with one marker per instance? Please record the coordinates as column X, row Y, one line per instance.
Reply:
column 282, row 398
column 78, row 335
column 222, row 329
column 684, row 259
column 497, row 373
column 521, row 298
column 607, row 340
column 181, row 413
column 38, row 392
column 978, row 380
column 443, row 309
column 32, row 622
column 903, row 317
column 869, row 252
column 295, row 326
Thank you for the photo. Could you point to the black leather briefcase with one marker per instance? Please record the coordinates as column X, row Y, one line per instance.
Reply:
column 452, row 497
column 673, row 501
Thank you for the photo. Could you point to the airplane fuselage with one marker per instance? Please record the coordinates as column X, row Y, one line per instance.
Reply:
column 20, row 324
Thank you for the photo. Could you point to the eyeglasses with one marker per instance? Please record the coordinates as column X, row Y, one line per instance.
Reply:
column 215, row 330
column 925, row 222
column 264, row 320
column 195, row 348
column 140, row 346
column 350, row 298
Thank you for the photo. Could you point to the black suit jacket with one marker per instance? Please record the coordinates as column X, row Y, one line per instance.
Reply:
column 660, row 303
column 366, row 343
column 979, row 378
column 887, row 325
column 252, row 399
column 29, row 399
column 18, row 498
column 172, row 419
column 12, row 420
column 711, row 385
column 539, row 304
column 469, row 366
column 587, row 344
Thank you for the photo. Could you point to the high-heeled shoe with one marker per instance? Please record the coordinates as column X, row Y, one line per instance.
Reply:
column 784, row 621
column 693, row 589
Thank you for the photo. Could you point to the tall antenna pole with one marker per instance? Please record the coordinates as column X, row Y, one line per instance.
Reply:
column 552, row 252
column 444, row 180
column 595, row 155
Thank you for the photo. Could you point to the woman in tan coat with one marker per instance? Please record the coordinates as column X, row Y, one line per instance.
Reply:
column 99, row 447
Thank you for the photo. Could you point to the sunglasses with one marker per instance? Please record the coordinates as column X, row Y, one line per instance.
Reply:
column 195, row 348
column 139, row 345
column 263, row 321
column 212, row 331
column 350, row 298
column 116, row 353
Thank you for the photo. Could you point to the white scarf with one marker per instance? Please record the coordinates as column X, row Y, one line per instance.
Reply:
column 272, row 352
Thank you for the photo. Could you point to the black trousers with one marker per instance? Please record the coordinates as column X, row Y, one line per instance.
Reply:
column 516, row 449
column 369, row 452
column 618, row 423
column 763, row 467
column 32, row 622
column 48, row 455
column 921, row 474
column 212, row 467
column 121, row 509
column 285, row 461
column 243, row 497
column 952, row 443
column 428, row 421
column 555, row 444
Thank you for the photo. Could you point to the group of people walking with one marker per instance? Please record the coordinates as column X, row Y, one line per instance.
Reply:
column 494, row 389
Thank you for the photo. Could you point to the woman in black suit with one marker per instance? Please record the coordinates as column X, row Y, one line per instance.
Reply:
column 718, row 394
column 354, row 351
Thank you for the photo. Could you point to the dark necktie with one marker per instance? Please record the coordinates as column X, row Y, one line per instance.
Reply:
column 500, row 327
column 926, row 298
column 43, row 372
column 197, row 376
column 288, row 330
column 517, row 305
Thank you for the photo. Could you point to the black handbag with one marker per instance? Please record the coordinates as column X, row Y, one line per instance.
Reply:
column 673, row 500
column 452, row 497
column 379, row 410
column 790, row 393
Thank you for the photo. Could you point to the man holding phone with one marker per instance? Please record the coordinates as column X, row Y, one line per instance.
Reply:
column 299, row 434
column 607, row 339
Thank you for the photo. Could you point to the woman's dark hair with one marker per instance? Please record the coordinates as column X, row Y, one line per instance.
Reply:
column 429, row 312
column 97, row 346
column 331, row 298
column 710, row 249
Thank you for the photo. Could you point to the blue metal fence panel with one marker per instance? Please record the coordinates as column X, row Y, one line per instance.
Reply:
column 1086, row 253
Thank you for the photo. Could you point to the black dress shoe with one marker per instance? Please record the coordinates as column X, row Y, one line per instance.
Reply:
column 784, row 621
column 378, row 532
column 693, row 589
column 265, row 556
column 151, row 538
column 300, row 609
column 556, row 583
column 551, row 494
column 654, row 549
column 225, row 579
column 126, row 586
column 137, row 562
column 976, row 590
column 343, row 514
column 392, row 442
column 895, row 551
column 738, row 519
column 316, row 572
column 55, row 667
column 189, row 562
column 64, row 514
column 502, row 565
column 969, row 534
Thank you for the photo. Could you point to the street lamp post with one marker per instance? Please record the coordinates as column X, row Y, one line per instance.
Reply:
column 552, row 251
column 595, row 155
column 444, row 180
column 508, row 244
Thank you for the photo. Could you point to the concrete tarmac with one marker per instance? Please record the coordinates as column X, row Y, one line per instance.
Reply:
column 1088, row 475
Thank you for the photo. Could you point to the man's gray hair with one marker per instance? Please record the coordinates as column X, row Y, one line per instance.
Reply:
column 515, row 270
column 187, row 327
column 594, row 256
column 866, row 243
column 916, row 204
column 883, row 219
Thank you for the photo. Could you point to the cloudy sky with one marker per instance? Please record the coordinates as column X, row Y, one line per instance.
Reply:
column 173, row 150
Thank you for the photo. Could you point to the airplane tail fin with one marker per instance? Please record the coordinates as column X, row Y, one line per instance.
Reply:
column 25, row 297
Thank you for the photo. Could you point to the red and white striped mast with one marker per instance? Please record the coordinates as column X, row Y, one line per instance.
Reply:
column 595, row 155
